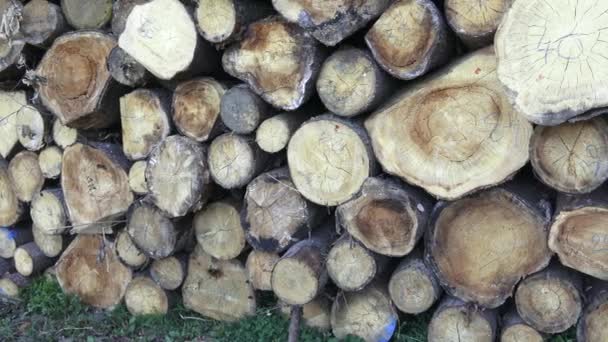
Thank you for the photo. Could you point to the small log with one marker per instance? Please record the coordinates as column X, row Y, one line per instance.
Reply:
column 242, row 110
column 351, row 82
column 481, row 246
column 224, row 21
column 78, row 88
column 330, row 22
column 177, row 175
column 11, row 285
column 351, row 266
column 455, row 320
column 593, row 325
column 219, row 231
column 42, row 22
column 278, row 60
column 413, row 286
column 128, row 252
column 387, row 216
column 272, row 225
column 170, row 272
column 32, row 128
column 551, row 300
column 51, row 245
column 274, row 133
column 218, row 289
column 12, row 208
column 126, row 70
column 196, row 108
column 90, row 269
column 368, row 314
column 63, row 135
column 410, row 39
column 475, row 23
column 49, row 161
column 145, row 122
column 234, row 160
column 120, row 12
column 48, row 211
column 13, row 237
column 315, row 314
column 571, row 157
column 328, row 168
column 11, row 103
column 259, row 267
column 514, row 329
column 87, row 14
column 454, row 132
column 11, row 43
column 25, row 174
column 137, row 177
column 145, row 297
column 29, row 260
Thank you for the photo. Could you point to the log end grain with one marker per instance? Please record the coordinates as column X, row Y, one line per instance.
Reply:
column 218, row 230
column 144, row 297
column 196, row 107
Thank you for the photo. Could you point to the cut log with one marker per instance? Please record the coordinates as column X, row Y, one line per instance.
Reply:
column 30, row 261
column 552, row 76
column 278, row 61
column 551, row 300
column 87, row 14
column 90, row 269
column 593, row 325
column 13, row 237
column 234, row 160
column 128, row 253
column 329, row 158
column 120, row 12
column 11, row 208
column 351, row 83
column 177, row 175
column 351, row 266
column 330, row 22
column 475, row 22
column 571, row 157
column 170, row 272
column 126, row 70
column 514, row 329
column 32, row 128
column 242, row 110
column 481, row 246
column 259, row 267
column 63, row 135
column 11, row 285
column 410, row 39
column 453, row 133
column 11, row 103
column 315, row 314
column 161, row 35
column 274, row 133
column 137, row 177
column 144, row 118
column 42, row 22
column 274, row 214
column 196, row 108
column 578, row 232
column 223, row 21
column 218, row 289
column 455, row 320
column 48, row 211
column 368, row 314
column 79, row 89
column 11, row 46
column 25, row 175
column 49, row 162
column 50, row 245
column 145, row 297
column 218, row 230
column 387, row 216
column 413, row 286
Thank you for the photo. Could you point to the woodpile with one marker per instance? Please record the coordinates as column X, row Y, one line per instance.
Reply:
column 358, row 159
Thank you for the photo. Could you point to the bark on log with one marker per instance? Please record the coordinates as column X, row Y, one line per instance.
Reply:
column 32, row 128
column 95, row 186
column 6, row 266
column 413, row 286
column 90, row 269
column 128, row 252
column 11, row 103
column 242, row 110
column 387, row 216
column 49, row 161
column 475, row 22
column 11, row 285
column 218, row 289
column 218, row 230
column 126, row 70
column 145, row 122
column 120, row 12
column 145, row 297
column 294, row 323
column 368, row 314
column 593, row 325
column 455, row 320
column 278, row 60
column 51, row 245
column 30, row 261
column 137, row 177
column 558, row 80
column 79, row 89
column 196, row 108
column 234, row 160
column 481, row 246
column 410, row 39
column 87, row 14
column 259, row 267
column 42, row 22
column 551, row 300
column 330, row 22
column 177, row 175
column 329, row 158
column 514, row 329
column 12, row 208
column 274, row 213
column 63, row 135
column 169, row 272
column 13, row 237
column 25, row 175
column 11, row 44
column 315, row 314
column 48, row 211
column 273, row 134
column 453, row 133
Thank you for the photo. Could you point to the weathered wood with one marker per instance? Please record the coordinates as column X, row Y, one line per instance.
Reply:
column 11, row 44
column 514, row 329
column 259, row 267
column 42, row 22
column 126, row 70
column 13, row 237
column 278, row 61
column 169, row 272
column 51, row 245
column 242, row 110
column 593, row 325
column 11, row 103
column 315, row 314
column 12, row 208
column 454, row 132
column 49, row 161
column 25, row 175
column 273, row 134
column 144, row 297
column 128, row 252
column 63, row 135
column 32, row 127
column 455, row 320
column 218, row 230
column 475, row 22
column 137, row 177
column 87, row 14
column 234, row 160
column 120, row 12
column 224, row 21
column 30, row 261
column 48, row 211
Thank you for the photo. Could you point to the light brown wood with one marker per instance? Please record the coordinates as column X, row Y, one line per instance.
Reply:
column 259, row 267
column 475, row 22
column 169, row 272
column 234, row 160
column 455, row 320
column 49, row 161
column 25, row 175
column 218, row 229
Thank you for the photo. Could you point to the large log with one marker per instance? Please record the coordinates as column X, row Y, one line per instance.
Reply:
column 13, row 237
column 259, row 267
column 126, row 70
column 224, row 21
column 514, row 329
column 551, row 76
column 169, row 272
column 30, row 261
column 42, row 22
column 593, row 325
column 242, row 110
column 454, row 132
column 455, row 320
column 278, row 60
column 482, row 245
column 218, row 230
column 12, row 208
column 145, row 297
column 475, row 22
column 48, row 211
column 128, row 252
column 137, row 177
column 49, row 161
column 25, row 174
column 11, row 103
column 87, row 14
column 32, row 127
column 234, row 160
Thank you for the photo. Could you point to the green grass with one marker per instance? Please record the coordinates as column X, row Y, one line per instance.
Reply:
column 46, row 314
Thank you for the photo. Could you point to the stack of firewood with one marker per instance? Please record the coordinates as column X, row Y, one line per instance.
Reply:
column 203, row 151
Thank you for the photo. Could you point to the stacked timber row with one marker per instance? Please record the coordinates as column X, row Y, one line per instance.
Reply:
column 359, row 159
